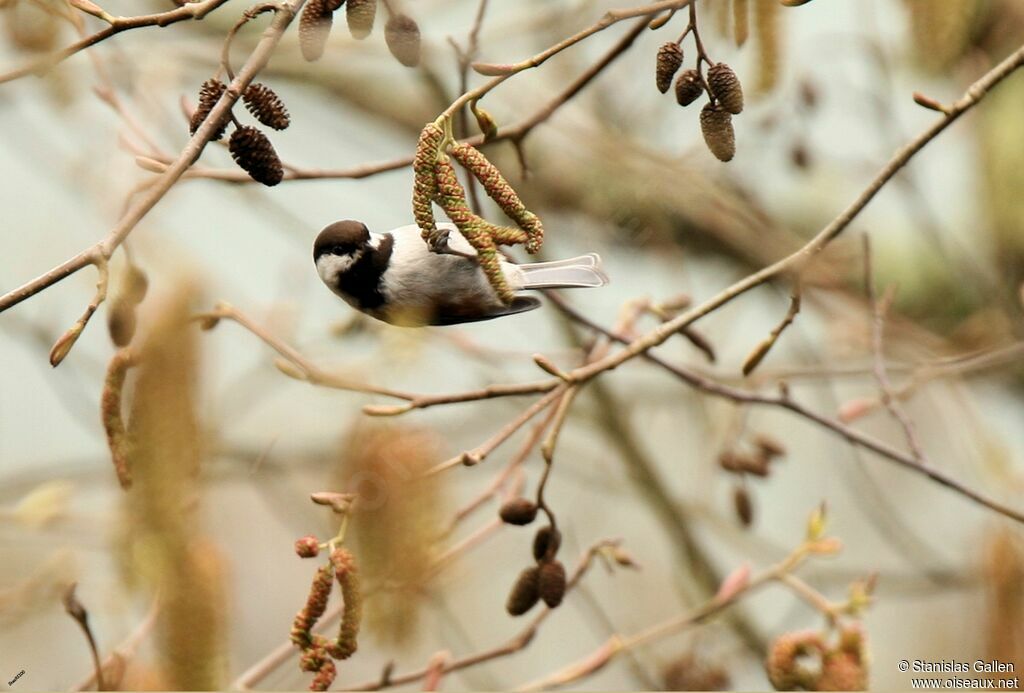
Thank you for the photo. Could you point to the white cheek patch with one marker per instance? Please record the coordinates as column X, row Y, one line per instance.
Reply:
column 331, row 266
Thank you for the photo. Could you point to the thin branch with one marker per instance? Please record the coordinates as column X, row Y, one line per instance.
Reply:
column 879, row 308
column 974, row 94
column 784, row 401
column 105, row 248
column 192, row 10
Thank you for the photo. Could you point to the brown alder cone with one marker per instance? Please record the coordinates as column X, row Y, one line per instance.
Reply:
column 670, row 59
column 266, row 106
column 725, row 86
column 743, row 505
column 716, row 126
column 688, row 87
column 518, row 511
column 525, row 592
column 360, row 15
column 315, row 28
column 254, row 153
column 546, row 543
column 209, row 95
column 402, row 36
column 552, row 583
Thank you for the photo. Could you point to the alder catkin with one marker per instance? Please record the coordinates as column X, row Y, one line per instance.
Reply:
column 688, row 87
column 360, row 15
column 402, row 36
column 670, row 58
column 725, row 87
column 254, row 153
column 266, row 106
column 716, row 126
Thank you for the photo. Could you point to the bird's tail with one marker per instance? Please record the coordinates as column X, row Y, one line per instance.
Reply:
column 582, row 271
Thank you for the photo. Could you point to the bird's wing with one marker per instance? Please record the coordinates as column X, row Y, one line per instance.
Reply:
column 520, row 304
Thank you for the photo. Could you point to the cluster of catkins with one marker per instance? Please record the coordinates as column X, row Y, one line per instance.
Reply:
column 318, row 652
column 436, row 181
column 841, row 666
column 401, row 33
column 546, row 579
column 249, row 147
column 722, row 87
column 756, row 462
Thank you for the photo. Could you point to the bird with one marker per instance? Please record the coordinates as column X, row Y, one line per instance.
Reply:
column 396, row 277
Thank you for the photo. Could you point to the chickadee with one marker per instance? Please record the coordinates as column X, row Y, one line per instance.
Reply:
column 395, row 277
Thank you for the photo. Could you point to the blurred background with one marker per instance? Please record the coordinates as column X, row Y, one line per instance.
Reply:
column 620, row 170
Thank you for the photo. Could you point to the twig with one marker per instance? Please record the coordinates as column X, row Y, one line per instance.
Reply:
column 879, row 308
column 126, row 650
column 517, row 643
column 974, row 94
column 192, row 10
column 105, row 248
column 75, row 609
column 784, row 401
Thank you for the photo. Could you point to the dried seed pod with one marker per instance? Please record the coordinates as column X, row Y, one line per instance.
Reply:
column 254, row 153
column 314, row 28
column 136, row 283
column 402, row 35
column 743, row 505
column 546, row 543
column 360, row 15
column 725, row 87
column 716, row 126
column 209, row 95
column 518, row 511
column 769, row 445
column 670, row 58
column 551, row 583
column 525, row 593
column 266, row 106
column 307, row 546
column 688, row 87
column 121, row 320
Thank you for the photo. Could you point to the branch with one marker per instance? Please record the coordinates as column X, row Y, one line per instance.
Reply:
column 192, row 10
column 972, row 97
column 105, row 248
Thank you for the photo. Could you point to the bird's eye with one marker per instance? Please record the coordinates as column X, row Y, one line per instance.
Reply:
column 339, row 250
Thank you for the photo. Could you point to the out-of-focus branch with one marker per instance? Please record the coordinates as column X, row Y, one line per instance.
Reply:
column 974, row 94
column 515, row 133
column 104, row 249
column 192, row 10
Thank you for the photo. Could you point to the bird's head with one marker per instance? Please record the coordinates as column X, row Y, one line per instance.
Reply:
column 339, row 246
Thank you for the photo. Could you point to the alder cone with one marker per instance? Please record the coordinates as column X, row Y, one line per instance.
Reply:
column 546, row 542
column 716, row 126
column 209, row 95
column 402, row 35
column 266, row 106
column 525, row 593
column 121, row 321
column 670, row 58
column 254, row 153
column 688, row 87
column 315, row 28
column 726, row 88
column 743, row 505
column 518, row 511
column 552, row 583
column 360, row 15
